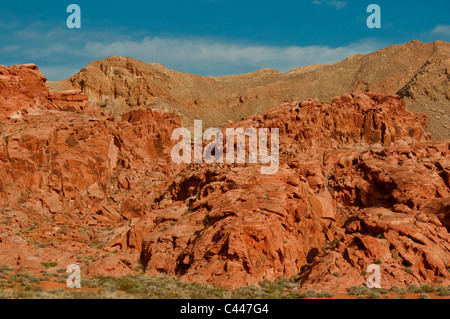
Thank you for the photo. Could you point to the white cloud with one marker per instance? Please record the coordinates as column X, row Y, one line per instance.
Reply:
column 216, row 56
column 338, row 4
column 442, row 29
column 61, row 53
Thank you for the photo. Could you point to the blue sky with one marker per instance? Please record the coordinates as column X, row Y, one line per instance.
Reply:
column 210, row 37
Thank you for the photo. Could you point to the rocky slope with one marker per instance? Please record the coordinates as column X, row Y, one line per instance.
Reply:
column 60, row 167
column 360, row 182
column 417, row 71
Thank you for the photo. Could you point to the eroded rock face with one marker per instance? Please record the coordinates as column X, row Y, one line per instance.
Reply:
column 355, row 187
column 362, row 118
column 73, row 100
column 23, row 91
column 241, row 227
column 416, row 71
column 66, row 176
column 359, row 183
column 22, row 88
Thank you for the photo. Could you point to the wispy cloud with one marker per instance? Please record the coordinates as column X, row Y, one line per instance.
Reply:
column 338, row 4
column 442, row 29
column 61, row 53
column 210, row 56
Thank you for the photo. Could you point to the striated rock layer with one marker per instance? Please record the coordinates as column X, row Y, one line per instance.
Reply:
column 360, row 182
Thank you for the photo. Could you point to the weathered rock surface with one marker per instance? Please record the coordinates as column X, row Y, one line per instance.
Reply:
column 70, row 100
column 23, row 91
column 70, row 177
column 359, row 182
column 349, row 193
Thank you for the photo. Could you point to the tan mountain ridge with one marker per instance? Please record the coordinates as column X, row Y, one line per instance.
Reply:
column 418, row 72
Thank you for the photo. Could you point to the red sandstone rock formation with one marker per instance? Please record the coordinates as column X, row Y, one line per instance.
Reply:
column 23, row 91
column 359, row 183
column 70, row 100
column 66, row 175
column 416, row 71
column 354, row 188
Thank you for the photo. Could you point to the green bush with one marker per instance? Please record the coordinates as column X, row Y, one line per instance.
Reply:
column 374, row 295
column 395, row 289
column 327, row 294
column 144, row 286
column 444, row 292
column 49, row 264
column 428, row 288
column 359, row 290
column 187, row 212
column 5, row 269
column 414, row 289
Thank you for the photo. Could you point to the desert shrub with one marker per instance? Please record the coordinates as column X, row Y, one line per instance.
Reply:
column 28, row 277
column 358, row 290
column 5, row 269
column 311, row 293
column 414, row 289
column 395, row 289
column 403, row 292
column 324, row 294
column 374, row 295
column 296, row 295
column 49, row 264
column 327, row 294
column 444, row 292
column 428, row 288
